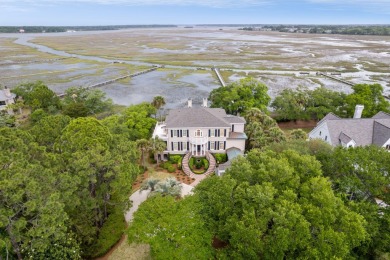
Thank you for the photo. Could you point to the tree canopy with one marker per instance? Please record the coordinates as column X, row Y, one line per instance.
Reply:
column 38, row 95
column 240, row 96
column 371, row 96
column 306, row 104
column 276, row 206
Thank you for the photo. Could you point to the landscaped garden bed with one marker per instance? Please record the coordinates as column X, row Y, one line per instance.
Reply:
column 198, row 165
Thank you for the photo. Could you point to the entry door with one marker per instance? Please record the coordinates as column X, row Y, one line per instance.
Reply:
column 198, row 148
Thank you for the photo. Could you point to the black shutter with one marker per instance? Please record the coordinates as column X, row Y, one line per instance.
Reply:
column 171, row 133
column 209, row 132
column 224, row 145
column 217, row 145
column 172, row 146
column 181, row 133
column 224, row 132
column 219, row 132
column 209, row 146
column 188, row 133
column 188, row 146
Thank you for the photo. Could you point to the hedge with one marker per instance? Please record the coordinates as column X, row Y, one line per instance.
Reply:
column 109, row 235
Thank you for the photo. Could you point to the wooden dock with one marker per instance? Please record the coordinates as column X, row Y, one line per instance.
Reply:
column 337, row 79
column 101, row 84
column 216, row 70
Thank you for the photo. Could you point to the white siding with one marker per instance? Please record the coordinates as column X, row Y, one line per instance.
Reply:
column 321, row 132
column 238, row 143
column 239, row 128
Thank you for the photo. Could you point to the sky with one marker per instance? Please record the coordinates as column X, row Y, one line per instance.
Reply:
column 191, row 12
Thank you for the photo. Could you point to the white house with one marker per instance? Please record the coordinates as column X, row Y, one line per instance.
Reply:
column 202, row 129
column 352, row 132
column 6, row 98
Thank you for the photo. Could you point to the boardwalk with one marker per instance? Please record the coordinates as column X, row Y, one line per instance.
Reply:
column 216, row 70
column 337, row 79
column 100, row 84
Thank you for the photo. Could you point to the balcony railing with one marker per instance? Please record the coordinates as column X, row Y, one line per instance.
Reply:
column 199, row 140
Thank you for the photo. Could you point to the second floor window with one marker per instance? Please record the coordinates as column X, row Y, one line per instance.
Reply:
column 198, row 133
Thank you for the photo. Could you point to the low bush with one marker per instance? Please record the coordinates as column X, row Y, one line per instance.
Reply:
column 179, row 163
column 109, row 235
column 174, row 158
column 221, row 157
column 165, row 165
column 171, row 168
column 205, row 163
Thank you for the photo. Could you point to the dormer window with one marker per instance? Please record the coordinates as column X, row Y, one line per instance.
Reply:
column 198, row 133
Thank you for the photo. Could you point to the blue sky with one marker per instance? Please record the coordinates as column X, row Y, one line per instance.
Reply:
column 109, row 12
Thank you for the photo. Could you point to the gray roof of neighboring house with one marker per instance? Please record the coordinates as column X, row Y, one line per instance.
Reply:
column 198, row 117
column 381, row 131
column 381, row 115
column 364, row 131
column 3, row 97
column 344, row 138
column 329, row 116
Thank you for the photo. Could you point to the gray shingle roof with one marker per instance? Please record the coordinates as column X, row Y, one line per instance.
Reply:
column 329, row 116
column 344, row 138
column 364, row 131
column 381, row 115
column 3, row 97
column 381, row 131
column 236, row 135
column 198, row 117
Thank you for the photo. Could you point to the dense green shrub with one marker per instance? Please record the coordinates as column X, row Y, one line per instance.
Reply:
column 174, row 158
column 197, row 163
column 109, row 235
column 191, row 163
column 205, row 163
column 171, row 168
column 165, row 165
column 221, row 157
column 179, row 163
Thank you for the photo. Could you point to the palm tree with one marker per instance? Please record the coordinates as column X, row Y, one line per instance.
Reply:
column 158, row 102
column 150, row 183
column 158, row 146
column 143, row 146
column 170, row 187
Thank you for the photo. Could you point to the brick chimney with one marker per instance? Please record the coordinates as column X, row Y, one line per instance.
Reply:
column 358, row 111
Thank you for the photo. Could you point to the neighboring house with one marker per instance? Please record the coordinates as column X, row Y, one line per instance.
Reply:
column 6, row 98
column 352, row 132
column 201, row 129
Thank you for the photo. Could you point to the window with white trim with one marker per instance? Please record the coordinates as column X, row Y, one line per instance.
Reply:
column 212, row 132
column 175, row 146
column 184, row 133
column 221, row 146
column 174, row 133
column 212, row 145
column 184, row 146
column 198, row 133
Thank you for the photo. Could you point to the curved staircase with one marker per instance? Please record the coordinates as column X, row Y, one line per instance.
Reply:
column 186, row 168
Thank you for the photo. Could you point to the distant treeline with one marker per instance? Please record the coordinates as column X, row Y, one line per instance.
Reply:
column 50, row 29
column 324, row 29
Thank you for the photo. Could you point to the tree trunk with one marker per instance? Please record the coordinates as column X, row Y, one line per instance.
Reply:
column 15, row 244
